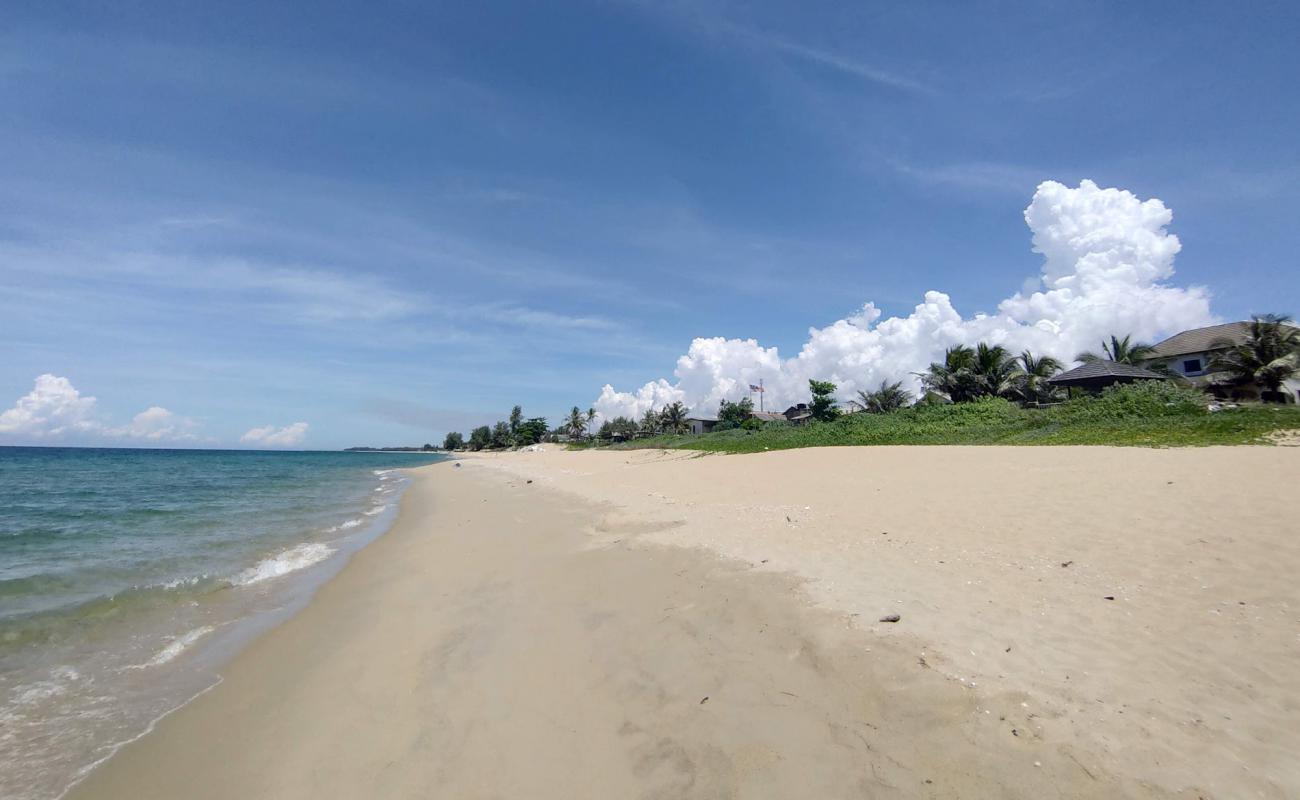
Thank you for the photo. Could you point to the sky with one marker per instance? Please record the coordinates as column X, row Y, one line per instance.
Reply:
column 323, row 225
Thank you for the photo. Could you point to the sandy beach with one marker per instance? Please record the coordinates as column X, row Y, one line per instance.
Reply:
column 1072, row 622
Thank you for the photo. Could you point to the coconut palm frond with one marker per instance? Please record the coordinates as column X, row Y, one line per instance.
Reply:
column 1269, row 357
column 889, row 397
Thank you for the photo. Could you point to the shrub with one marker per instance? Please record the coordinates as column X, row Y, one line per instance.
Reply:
column 1140, row 400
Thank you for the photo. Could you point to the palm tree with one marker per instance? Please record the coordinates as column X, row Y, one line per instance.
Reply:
column 993, row 369
column 1029, row 379
column 1269, row 356
column 650, row 421
column 591, row 416
column 577, row 423
column 954, row 377
column 1121, row 351
column 673, row 418
column 889, row 397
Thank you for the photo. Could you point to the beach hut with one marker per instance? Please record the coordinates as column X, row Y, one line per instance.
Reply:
column 701, row 424
column 1097, row 375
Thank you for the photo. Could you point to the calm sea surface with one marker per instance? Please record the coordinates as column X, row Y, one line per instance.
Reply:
column 127, row 576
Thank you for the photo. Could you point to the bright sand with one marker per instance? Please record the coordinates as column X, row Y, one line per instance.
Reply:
column 1075, row 622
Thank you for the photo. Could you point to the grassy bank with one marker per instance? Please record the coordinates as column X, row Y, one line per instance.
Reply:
column 1143, row 415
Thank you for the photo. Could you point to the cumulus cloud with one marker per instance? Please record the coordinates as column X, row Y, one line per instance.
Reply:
column 52, row 408
column 158, row 424
column 1106, row 257
column 271, row 436
column 55, row 409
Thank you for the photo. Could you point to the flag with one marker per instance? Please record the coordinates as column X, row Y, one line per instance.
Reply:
column 754, row 388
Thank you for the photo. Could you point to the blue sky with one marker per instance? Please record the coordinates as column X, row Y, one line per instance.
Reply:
column 391, row 221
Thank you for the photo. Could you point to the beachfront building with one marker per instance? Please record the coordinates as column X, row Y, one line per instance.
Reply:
column 768, row 416
column 1188, row 354
column 1094, row 376
column 798, row 414
column 701, row 424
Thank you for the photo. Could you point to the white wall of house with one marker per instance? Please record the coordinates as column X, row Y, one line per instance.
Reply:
column 1197, row 365
column 1190, row 365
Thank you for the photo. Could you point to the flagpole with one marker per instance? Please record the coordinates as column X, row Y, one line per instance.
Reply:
column 760, row 395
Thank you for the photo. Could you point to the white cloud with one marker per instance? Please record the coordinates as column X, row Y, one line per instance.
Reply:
column 524, row 317
column 1106, row 257
column 270, row 436
column 698, row 18
column 52, row 408
column 834, row 61
column 158, row 424
column 55, row 409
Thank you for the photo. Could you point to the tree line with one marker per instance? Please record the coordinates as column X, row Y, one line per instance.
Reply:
column 514, row 432
column 1269, row 357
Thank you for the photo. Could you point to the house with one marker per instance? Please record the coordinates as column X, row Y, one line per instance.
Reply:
column 1189, row 354
column 701, row 424
column 1097, row 375
column 768, row 416
column 798, row 414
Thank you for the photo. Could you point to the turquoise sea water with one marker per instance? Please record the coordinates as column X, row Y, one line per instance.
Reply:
column 127, row 576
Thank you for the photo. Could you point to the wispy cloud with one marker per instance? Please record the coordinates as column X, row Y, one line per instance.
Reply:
column 1015, row 179
column 524, row 317
column 713, row 25
column 830, row 60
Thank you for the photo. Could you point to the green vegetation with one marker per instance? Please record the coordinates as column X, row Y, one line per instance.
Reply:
column 1268, row 357
column 733, row 415
column 986, row 395
column 673, row 419
column 501, row 436
column 480, row 438
column 530, row 431
column 823, row 407
column 889, row 397
column 1121, row 351
column 969, row 373
column 517, row 432
column 620, row 427
column 1028, row 381
column 1147, row 414
column 576, row 424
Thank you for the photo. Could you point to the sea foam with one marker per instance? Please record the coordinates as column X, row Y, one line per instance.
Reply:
column 177, row 646
column 291, row 560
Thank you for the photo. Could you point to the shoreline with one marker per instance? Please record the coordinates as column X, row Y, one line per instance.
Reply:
column 235, row 608
column 420, row 641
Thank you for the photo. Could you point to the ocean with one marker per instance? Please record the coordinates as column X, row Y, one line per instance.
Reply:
column 127, row 577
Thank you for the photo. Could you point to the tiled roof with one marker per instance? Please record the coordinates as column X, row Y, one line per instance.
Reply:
column 1198, row 340
column 1104, row 369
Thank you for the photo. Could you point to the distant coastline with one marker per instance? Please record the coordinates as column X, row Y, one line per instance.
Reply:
column 428, row 448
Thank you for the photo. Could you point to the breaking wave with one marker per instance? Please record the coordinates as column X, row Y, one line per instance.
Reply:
column 291, row 560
